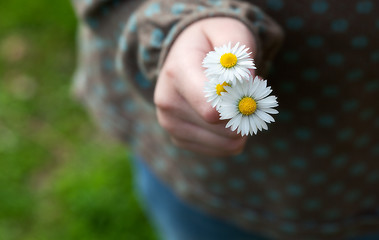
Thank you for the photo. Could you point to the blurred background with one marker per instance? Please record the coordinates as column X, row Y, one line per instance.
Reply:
column 59, row 178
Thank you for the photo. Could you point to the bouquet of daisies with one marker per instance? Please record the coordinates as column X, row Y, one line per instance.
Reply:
column 235, row 94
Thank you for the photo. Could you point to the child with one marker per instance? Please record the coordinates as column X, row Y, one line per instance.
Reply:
column 313, row 175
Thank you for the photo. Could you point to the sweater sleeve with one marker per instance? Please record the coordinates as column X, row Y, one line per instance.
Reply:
column 154, row 26
column 123, row 45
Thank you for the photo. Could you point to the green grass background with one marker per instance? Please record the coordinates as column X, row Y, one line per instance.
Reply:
column 59, row 179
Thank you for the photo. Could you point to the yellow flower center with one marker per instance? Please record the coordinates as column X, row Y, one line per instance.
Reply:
column 220, row 88
column 228, row 60
column 247, row 106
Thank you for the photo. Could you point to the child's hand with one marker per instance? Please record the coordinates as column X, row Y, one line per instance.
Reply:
column 182, row 108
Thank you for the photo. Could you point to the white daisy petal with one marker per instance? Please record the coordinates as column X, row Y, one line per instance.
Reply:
column 248, row 106
column 230, row 69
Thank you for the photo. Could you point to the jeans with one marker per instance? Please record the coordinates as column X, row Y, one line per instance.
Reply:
column 176, row 220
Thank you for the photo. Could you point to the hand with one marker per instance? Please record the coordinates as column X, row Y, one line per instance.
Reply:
column 181, row 106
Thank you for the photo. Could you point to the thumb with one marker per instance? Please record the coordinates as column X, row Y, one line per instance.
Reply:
column 222, row 30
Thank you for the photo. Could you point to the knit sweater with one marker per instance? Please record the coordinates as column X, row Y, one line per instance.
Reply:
column 315, row 173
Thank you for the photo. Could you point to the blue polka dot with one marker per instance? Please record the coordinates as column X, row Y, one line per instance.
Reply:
column 285, row 116
column 118, row 85
column 258, row 175
column 108, row 64
column 330, row 91
column 273, row 195
column 375, row 56
column 368, row 201
column 218, row 167
column 111, row 110
column 178, row 8
column 104, row 11
column 350, row 105
column 332, row 213
column 235, row 10
column 352, row 196
column 251, row 216
column 312, row 204
column 200, row 171
column 123, row 44
column 335, row 59
column 326, row 121
column 287, row 87
column 340, row 160
column 354, row 74
column 373, row 176
column 216, row 202
column 364, row 7
column 152, row 9
column 99, row 91
column 362, row 141
column 317, row 178
column 181, row 186
column 357, row 169
column 260, row 151
column 290, row 213
column 278, row 170
column 171, row 151
column 359, row 42
column 215, row 2
column 315, row 41
column 322, row 150
column 311, row 74
column 132, row 23
column 320, row 6
column 294, row 190
column 240, row 158
column 339, row 25
column 236, row 184
column 160, row 165
column 288, row 228
column 275, row 5
column 93, row 23
column 280, row 144
column 156, row 38
column 307, row 104
column 143, row 53
column 372, row 86
column 217, row 188
column 330, row 228
column 345, row 134
column 295, row 23
column 336, row 188
column 298, row 162
column 142, row 81
column 255, row 200
column 303, row 133
column 366, row 114
column 129, row 106
column 291, row 56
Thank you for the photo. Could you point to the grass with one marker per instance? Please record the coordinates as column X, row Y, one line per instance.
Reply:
column 59, row 179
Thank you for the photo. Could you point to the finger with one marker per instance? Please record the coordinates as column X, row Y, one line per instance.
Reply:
column 188, row 132
column 185, row 113
column 236, row 32
column 192, row 78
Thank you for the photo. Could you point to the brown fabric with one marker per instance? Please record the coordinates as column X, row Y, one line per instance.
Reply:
column 315, row 172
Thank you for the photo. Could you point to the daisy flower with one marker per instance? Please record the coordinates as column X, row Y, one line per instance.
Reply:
column 213, row 90
column 248, row 106
column 229, row 64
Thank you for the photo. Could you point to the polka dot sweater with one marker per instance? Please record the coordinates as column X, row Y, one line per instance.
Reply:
column 315, row 173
